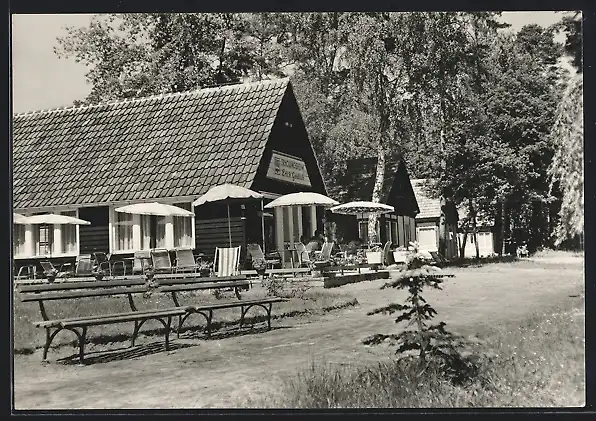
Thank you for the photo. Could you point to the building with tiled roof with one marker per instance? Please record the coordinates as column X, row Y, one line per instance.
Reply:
column 427, row 222
column 85, row 161
column 357, row 184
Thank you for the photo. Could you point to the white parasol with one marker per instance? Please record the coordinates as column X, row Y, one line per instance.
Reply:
column 354, row 208
column 302, row 199
column 154, row 208
column 54, row 219
column 17, row 218
column 230, row 193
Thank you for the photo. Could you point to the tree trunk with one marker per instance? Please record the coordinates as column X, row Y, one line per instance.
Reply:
column 472, row 213
column 504, row 226
column 462, row 246
column 497, row 230
column 442, row 248
column 377, row 190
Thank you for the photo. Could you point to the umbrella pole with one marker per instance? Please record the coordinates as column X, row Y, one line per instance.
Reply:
column 229, row 227
column 263, row 225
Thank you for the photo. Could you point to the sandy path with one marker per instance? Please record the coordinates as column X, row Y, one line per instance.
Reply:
column 226, row 372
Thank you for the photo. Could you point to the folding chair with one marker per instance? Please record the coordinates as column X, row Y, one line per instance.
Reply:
column 255, row 252
column 161, row 260
column 226, row 261
column 103, row 261
column 51, row 272
column 303, row 256
column 141, row 261
column 84, row 266
column 185, row 261
column 388, row 259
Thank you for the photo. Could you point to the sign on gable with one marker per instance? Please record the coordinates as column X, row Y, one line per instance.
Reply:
column 288, row 168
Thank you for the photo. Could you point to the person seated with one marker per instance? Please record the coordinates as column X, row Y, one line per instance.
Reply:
column 316, row 242
column 354, row 246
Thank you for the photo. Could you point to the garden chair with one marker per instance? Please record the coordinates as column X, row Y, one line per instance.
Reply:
column 226, row 261
column 255, row 252
column 160, row 259
column 103, row 261
column 51, row 272
column 84, row 265
column 388, row 258
column 303, row 255
column 185, row 261
column 141, row 261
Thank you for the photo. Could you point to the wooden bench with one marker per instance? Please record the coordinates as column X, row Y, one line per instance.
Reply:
column 129, row 287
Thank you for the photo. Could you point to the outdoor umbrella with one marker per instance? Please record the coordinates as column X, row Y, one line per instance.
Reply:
column 52, row 218
column 154, row 208
column 230, row 193
column 302, row 199
column 17, row 218
column 354, row 208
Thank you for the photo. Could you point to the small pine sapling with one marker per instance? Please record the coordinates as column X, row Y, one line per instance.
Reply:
column 422, row 341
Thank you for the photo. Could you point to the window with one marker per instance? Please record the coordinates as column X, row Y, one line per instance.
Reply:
column 183, row 228
column 160, row 232
column 18, row 240
column 394, row 238
column 363, row 230
column 43, row 236
column 123, row 231
column 68, row 235
column 145, row 232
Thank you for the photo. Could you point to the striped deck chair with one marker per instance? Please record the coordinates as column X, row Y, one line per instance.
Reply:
column 161, row 261
column 226, row 261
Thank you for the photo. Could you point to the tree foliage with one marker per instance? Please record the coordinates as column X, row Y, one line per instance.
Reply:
column 461, row 101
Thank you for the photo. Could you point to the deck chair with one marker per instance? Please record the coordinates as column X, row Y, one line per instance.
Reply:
column 255, row 252
column 185, row 261
column 388, row 258
column 303, row 256
column 160, row 259
column 84, row 265
column 226, row 261
column 51, row 272
column 438, row 258
column 141, row 260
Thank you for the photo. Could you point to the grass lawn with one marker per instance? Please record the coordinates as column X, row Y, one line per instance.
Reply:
column 518, row 308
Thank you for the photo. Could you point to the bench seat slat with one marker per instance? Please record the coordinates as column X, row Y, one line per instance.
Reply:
column 238, row 303
column 201, row 286
column 80, row 285
column 116, row 317
column 56, row 295
column 200, row 280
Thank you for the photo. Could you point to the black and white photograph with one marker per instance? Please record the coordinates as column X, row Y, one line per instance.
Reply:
column 297, row 210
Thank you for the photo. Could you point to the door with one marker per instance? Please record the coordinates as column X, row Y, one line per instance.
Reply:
column 427, row 238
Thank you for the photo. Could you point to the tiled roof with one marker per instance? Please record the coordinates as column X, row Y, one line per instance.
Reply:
column 359, row 180
column 149, row 148
column 429, row 207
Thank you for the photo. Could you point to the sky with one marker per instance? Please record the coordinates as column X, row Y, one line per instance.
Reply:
column 42, row 80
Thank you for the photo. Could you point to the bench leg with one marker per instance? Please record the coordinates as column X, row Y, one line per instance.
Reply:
column 179, row 326
column 209, row 319
column 82, row 345
column 269, row 316
column 46, row 346
column 135, row 332
column 168, row 325
column 237, row 292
